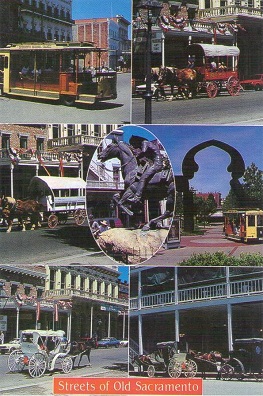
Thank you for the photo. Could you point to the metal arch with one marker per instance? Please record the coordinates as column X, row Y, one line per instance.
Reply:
column 236, row 166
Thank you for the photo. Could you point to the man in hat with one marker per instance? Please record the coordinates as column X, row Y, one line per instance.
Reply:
column 103, row 226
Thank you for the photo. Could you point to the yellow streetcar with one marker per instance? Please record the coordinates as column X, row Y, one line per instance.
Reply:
column 244, row 225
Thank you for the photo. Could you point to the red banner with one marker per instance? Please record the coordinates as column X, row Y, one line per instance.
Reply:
column 38, row 311
column 56, row 312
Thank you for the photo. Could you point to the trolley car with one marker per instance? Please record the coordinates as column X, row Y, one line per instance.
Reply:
column 244, row 225
column 216, row 67
column 41, row 350
column 56, row 71
column 60, row 197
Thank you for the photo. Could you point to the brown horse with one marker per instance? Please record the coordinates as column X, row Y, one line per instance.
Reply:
column 80, row 349
column 184, row 79
column 22, row 210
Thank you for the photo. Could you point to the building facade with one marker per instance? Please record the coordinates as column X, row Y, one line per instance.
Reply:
column 82, row 301
column 41, row 150
column 35, row 20
column 202, row 309
column 106, row 33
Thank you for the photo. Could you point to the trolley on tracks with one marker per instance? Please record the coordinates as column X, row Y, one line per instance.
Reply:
column 216, row 67
column 60, row 197
column 41, row 351
column 165, row 360
column 244, row 225
column 57, row 71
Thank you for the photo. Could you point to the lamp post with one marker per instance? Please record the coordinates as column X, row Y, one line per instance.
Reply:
column 149, row 11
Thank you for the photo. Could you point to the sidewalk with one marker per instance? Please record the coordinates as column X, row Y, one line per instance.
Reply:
column 212, row 241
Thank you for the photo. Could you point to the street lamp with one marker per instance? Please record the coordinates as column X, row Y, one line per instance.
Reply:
column 149, row 11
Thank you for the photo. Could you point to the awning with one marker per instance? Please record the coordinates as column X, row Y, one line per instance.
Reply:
column 57, row 183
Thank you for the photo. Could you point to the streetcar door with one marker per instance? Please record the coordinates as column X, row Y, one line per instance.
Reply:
column 251, row 226
column 260, row 227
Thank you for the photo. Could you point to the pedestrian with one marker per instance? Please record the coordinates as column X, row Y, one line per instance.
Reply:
column 94, row 225
column 2, row 338
column 103, row 226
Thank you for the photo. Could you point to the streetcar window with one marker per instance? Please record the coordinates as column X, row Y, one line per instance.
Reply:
column 260, row 220
column 251, row 220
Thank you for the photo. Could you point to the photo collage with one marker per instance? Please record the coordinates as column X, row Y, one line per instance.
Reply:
column 131, row 206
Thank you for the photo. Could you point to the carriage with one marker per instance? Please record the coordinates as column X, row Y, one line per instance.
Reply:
column 216, row 67
column 165, row 360
column 41, row 351
column 60, row 197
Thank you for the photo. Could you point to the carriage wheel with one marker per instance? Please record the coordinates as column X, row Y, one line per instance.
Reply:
column 80, row 216
column 16, row 361
column 151, row 371
column 174, row 369
column 212, row 89
column 190, row 369
column 37, row 365
column 227, row 372
column 52, row 221
column 239, row 370
column 233, row 86
column 67, row 364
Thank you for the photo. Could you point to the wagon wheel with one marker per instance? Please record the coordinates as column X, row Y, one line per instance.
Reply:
column 67, row 364
column 227, row 372
column 233, row 86
column 239, row 370
column 174, row 369
column 37, row 365
column 80, row 216
column 16, row 361
column 52, row 221
column 212, row 89
column 151, row 371
column 190, row 369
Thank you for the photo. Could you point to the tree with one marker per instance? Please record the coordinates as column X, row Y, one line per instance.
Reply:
column 253, row 186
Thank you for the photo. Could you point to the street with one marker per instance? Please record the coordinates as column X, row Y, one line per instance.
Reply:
column 102, row 361
column 65, row 244
column 244, row 109
column 108, row 112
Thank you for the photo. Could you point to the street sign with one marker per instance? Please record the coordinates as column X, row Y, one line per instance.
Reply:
column 110, row 308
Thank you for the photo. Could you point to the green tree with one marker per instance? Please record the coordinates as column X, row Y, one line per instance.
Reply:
column 253, row 186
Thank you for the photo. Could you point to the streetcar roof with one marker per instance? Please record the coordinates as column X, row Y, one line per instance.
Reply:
column 215, row 50
column 244, row 211
column 57, row 183
column 53, row 46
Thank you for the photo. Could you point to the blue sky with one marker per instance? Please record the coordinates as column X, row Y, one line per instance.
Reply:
column 212, row 175
column 124, row 270
column 82, row 9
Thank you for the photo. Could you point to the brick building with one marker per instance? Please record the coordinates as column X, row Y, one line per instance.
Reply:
column 106, row 33
column 216, row 195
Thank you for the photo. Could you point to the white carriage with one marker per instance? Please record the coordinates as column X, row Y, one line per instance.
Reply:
column 41, row 351
column 60, row 197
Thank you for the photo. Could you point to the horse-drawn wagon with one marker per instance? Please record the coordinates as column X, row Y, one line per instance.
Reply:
column 41, row 351
column 166, row 359
column 216, row 67
column 60, row 197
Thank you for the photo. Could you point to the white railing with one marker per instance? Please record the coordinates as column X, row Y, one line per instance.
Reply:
column 229, row 10
column 74, row 140
column 200, row 293
column 112, row 185
column 85, row 294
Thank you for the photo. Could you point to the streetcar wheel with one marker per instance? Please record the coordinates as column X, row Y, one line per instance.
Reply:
column 52, row 221
column 16, row 361
column 151, row 371
column 80, row 216
column 37, row 365
column 67, row 364
column 227, row 372
column 233, row 86
column 174, row 369
column 190, row 369
column 211, row 89
column 68, row 101
column 239, row 370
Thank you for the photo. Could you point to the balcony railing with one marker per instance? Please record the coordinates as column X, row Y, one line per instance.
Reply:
column 69, row 293
column 74, row 141
column 231, row 10
column 200, row 293
column 31, row 155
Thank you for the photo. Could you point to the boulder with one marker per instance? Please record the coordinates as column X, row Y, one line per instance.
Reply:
column 131, row 246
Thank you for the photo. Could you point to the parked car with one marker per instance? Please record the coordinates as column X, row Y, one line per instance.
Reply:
column 108, row 342
column 113, row 222
column 124, row 343
column 255, row 82
column 9, row 347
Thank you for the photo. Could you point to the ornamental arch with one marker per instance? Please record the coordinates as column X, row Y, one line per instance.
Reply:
column 189, row 167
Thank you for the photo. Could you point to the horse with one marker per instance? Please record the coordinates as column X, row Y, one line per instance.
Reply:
column 22, row 210
column 185, row 79
column 80, row 349
column 163, row 181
